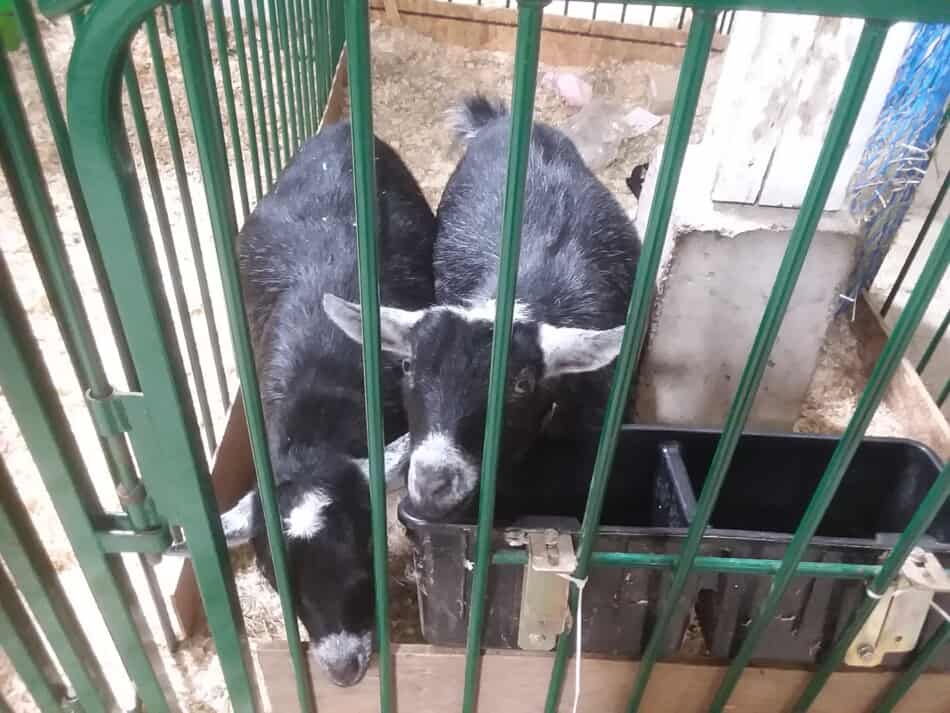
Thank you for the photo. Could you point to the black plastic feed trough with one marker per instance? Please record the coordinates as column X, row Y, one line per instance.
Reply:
column 656, row 479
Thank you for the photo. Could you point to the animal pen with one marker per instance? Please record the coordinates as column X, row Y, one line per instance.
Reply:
column 162, row 411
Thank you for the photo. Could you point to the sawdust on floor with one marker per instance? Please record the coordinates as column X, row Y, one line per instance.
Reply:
column 416, row 82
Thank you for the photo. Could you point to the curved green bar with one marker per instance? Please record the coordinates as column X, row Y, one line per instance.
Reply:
column 178, row 479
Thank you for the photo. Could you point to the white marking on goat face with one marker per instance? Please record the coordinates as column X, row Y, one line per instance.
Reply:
column 306, row 517
column 484, row 311
column 440, row 475
column 344, row 656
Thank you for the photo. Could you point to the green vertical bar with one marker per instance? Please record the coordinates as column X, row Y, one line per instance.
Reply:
column 32, row 397
column 30, row 566
column 167, row 439
column 322, row 44
column 290, row 77
column 246, row 97
column 944, row 392
column 25, row 179
column 934, row 343
column 224, row 65
column 919, row 665
column 842, row 122
column 271, row 96
column 928, row 509
column 187, row 204
column 888, row 362
column 524, row 83
column 57, row 125
column 337, row 34
column 305, row 27
column 259, row 90
column 364, row 186
column 297, row 61
column 212, row 155
column 280, row 73
column 168, row 245
column 22, row 644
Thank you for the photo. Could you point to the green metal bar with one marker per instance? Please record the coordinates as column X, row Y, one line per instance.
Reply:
column 364, row 186
column 291, row 78
column 323, row 45
column 884, row 10
column 300, row 83
column 910, row 10
column 168, row 444
column 32, row 397
column 168, row 245
column 336, row 32
column 934, row 343
column 638, row 312
column 57, row 125
column 224, row 66
column 304, row 27
column 271, row 96
column 259, row 91
column 944, row 392
column 25, row 180
column 30, row 566
column 883, row 370
column 527, row 45
column 246, row 97
column 839, row 130
column 27, row 185
column 919, row 240
column 730, row 565
column 187, row 203
column 280, row 73
column 909, row 676
column 211, row 152
column 24, row 647
column 923, row 517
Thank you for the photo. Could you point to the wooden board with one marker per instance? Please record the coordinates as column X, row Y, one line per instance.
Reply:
column 232, row 472
column 907, row 396
column 429, row 680
column 566, row 41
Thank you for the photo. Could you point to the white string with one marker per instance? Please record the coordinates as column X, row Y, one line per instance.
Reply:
column 940, row 610
column 578, row 625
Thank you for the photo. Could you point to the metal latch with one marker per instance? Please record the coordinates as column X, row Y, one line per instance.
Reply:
column 544, row 591
column 896, row 622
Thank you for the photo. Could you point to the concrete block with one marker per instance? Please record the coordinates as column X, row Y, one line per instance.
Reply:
column 718, row 268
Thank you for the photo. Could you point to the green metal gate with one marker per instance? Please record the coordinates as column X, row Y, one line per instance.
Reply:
column 149, row 431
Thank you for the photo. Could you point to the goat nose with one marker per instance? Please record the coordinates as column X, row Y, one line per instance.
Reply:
column 348, row 672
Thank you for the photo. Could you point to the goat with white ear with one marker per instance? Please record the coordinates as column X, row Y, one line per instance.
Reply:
column 297, row 245
column 579, row 252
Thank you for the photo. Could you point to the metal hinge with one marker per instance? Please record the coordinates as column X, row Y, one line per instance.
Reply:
column 545, row 613
column 896, row 622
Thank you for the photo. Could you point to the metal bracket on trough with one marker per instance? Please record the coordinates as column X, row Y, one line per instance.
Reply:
column 544, row 591
column 896, row 622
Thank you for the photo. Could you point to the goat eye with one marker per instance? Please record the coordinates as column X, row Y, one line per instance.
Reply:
column 524, row 383
column 406, row 366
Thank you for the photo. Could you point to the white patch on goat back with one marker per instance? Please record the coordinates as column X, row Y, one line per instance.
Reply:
column 485, row 310
column 438, row 451
column 306, row 517
column 336, row 650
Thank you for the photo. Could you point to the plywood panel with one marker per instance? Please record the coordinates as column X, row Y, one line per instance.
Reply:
column 429, row 680
column 565, row 40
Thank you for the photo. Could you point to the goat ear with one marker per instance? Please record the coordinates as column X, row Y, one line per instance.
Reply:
column 396, row 463
column 394, row 324
column 238, row 522
column 568, row 350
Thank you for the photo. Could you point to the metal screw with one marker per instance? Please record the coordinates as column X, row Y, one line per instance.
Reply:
column 865, row 651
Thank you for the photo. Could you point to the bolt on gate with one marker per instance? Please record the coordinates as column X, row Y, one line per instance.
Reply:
column 156, row 433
